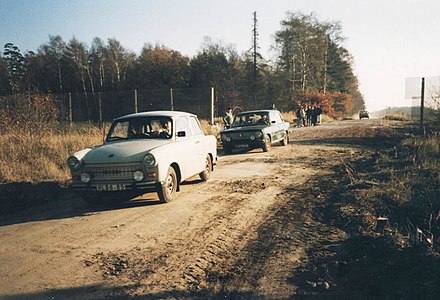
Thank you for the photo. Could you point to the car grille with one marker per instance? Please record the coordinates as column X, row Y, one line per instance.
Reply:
column 99, row 173
column 241, row 135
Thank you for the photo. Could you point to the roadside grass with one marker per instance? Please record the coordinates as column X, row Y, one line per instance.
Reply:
column 387, row 200
column 29, row 160
column 397, row 117
column 402, row 185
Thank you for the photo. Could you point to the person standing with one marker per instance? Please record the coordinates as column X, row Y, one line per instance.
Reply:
column 228, row 118
column 309, row 115
column 299, row 116
column 319, row 113
column 314, row 115
column 303, row 116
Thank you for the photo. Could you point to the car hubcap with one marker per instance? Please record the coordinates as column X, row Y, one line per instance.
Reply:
column 207, row 166
column 170, row 184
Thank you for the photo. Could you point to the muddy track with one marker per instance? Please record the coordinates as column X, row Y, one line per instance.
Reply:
column 250, row 232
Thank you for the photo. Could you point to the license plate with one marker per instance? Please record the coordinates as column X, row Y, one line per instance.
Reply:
column 110, row 187
column 241, row 146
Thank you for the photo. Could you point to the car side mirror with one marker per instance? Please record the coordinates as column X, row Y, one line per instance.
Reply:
column 181, row 133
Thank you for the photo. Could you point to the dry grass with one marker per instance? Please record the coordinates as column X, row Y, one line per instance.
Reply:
column 397, row 117
column 289, row 116
column 403, row 184
column 27, row 160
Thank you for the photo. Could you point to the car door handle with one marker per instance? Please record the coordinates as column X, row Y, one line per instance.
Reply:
column 197, row 142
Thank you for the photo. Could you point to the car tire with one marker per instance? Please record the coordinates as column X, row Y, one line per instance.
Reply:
column 267, row 144
column 208, row 168
column 167, row 191
column 285, row 140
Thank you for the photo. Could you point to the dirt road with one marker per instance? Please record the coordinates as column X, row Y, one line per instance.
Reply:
column 249, row 232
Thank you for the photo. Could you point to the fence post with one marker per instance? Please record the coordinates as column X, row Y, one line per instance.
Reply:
column 212, row 105
column 135, row 101
column 172, row 99
column 100, row 109
column 70, row 110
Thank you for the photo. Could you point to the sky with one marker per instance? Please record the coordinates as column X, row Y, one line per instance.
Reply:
column 390, row 40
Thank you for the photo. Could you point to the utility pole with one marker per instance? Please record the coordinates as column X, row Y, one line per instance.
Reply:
column 172, row 99
column 255, row 34
column 422, row 104
column 135, row 101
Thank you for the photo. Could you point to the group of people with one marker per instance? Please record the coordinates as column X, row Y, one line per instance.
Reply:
column 308, row 116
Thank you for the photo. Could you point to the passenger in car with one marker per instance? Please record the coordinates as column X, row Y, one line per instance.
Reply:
column 165, row 131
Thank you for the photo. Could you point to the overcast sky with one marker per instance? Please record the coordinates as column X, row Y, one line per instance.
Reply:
column 390, row 40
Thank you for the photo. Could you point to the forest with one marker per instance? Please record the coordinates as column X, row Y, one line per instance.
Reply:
column 311, row 67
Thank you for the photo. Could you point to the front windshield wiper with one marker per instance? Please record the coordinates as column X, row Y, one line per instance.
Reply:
column 114, row 138
column 243, row 125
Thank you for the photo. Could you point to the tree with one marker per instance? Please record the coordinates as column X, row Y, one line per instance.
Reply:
column 120, row 59
column 312, row 59
column 158, row 67
column 16, row 66
column 5, row 88
column 77, row 52
column 54, row 52
column 215, row 66
column 99, row 57
column 343, row 103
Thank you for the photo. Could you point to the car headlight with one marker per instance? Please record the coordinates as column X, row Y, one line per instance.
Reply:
column 226, row 138
column 73, row 163
column 138, row 176
column 85, row 177
column 149, row 160
column 258, row 134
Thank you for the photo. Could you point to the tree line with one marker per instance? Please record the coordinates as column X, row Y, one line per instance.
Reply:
column 311, row 67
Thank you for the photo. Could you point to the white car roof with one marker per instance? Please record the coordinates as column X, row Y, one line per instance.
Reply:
column 161, row 113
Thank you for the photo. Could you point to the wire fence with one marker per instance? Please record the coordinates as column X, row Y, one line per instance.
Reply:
column 106, row 106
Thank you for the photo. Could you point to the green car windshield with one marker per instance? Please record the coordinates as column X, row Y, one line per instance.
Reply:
column 251, row 119
column 141, row 128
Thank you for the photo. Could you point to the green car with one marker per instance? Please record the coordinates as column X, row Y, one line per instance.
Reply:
column 255, row 129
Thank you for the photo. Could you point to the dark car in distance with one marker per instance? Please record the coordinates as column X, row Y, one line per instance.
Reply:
column 255, row 129
column 363, row 114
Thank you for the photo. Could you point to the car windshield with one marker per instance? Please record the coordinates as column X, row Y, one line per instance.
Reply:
column 141, row 128
column 249, row 119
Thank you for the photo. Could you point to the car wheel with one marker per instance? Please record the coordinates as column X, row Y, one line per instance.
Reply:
column 208, row 168
column 285, row 140
column 267, row 144
column 167, row 191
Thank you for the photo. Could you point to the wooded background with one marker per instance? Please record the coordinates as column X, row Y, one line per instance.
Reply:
column 311, row 67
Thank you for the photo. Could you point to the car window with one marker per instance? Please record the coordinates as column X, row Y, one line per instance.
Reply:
column 183, row 125
column 120, row 130
column 276, row 116
column 195, row 126
column 249, row 119
column 142, row 128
